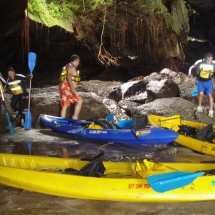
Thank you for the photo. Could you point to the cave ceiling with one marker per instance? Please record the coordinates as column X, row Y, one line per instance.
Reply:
column 136, row 36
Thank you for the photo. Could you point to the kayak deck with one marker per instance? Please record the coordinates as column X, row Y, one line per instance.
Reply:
column 148, row 135
column 121, row 181
column 174, row 122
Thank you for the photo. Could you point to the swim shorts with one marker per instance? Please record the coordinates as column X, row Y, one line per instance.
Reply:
column 205, row 86
column 66, row 97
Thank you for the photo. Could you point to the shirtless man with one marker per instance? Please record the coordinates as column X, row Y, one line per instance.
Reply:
column 68, row 83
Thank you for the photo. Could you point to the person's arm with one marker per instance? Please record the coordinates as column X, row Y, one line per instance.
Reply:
column 190, row 75
column 2, row 79
column 71, row 72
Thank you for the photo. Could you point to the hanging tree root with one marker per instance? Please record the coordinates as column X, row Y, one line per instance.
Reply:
column 103, row 56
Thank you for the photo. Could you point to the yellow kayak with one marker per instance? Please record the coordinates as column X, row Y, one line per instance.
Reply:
column 121, row 181
column 173, row 122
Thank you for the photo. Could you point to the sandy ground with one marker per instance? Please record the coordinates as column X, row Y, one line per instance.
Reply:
column 22, row 202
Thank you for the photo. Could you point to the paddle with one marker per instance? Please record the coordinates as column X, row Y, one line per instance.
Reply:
column 7, row 115
column 31, row 65
column 29, row 146
column 125, row 123
column 110, row 117
column 173, row 180
column 194, row 92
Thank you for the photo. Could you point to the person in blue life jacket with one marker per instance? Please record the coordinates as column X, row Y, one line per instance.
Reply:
column 2, row 81
column 17, row 85
column 203, row 70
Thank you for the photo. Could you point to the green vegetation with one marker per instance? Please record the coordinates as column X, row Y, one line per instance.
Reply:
column 128, row 26
column 54, row 12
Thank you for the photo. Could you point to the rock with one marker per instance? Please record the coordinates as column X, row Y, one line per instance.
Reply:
column 157, row 93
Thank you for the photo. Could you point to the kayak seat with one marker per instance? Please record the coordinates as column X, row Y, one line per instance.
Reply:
column 94, row 168
column 206, row 133
column 105, row 124
column 187, row 130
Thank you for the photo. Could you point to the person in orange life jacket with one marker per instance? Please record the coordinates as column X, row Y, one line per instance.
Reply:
column 17, row 84
column 69, row 80
column 2, row 80
column 203, row 70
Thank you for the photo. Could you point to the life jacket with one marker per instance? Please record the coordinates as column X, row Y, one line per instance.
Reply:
column 76, row 78
column 17, row 86
column 1, row 86
column 205, row 71
column 63, row 74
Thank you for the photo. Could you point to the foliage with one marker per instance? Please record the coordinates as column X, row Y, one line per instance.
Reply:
column 151, row 6
column 45, row 10
column 131, row 27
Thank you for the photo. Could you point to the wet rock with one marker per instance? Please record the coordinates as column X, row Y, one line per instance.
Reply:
column 101, row 88
column 161, row 89
column 134, row 91
column 157, row 93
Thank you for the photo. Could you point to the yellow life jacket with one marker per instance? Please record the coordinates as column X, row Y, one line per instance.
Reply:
column 15, row 87
column 205, row 71
column 95, row 126
column 77, row 77
column 1, row 87
column 63, row 75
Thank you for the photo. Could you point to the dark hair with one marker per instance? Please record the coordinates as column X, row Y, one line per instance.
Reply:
column 209, row 54
column 74, row 57
column 10, row 69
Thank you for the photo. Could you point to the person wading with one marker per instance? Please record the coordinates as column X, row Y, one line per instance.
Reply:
column 69, row 80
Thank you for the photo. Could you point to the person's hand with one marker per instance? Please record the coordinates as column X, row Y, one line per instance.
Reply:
column 190, row 76
column 30, row 75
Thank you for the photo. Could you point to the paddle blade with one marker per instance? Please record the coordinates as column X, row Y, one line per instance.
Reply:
column 173, row 180
column 9, row 125
column 28, row 120
column 29, row 146
column 125, row 124
column 194, row 92
column 31, row 61
column 110, row 117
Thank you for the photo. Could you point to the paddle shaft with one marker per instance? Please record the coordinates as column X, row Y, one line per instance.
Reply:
column 29, row 95
column 31, row 65
column 7, row 115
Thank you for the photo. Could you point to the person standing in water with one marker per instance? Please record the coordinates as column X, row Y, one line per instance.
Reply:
column 69, row 80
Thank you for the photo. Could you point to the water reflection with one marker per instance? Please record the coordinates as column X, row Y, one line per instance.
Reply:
column 80, row 149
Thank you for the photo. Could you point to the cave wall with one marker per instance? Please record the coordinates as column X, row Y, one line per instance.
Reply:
column 11, row 22
column 140, row 44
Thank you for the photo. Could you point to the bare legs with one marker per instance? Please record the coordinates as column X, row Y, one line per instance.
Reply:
column 200, row 98
column 77, row 110
column 210, row 99
column 63, row 111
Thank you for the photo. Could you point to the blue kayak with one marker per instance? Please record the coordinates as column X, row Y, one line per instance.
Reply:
column 148, row 135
